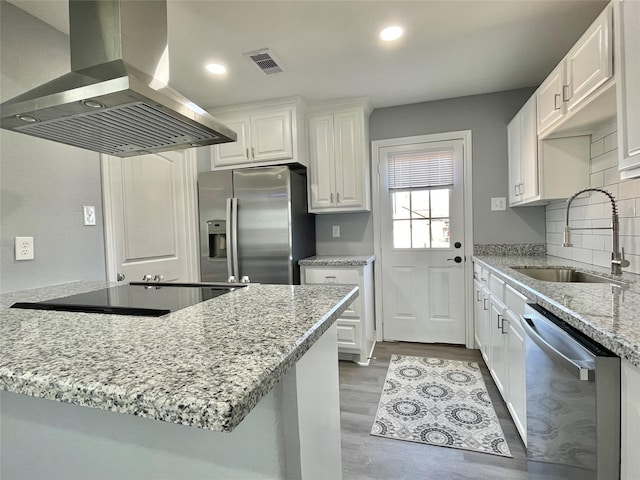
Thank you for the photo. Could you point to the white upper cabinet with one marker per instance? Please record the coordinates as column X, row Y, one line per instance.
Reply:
column 576, row 82
column 545, row 170
column 268, row 133
column 627, row 23
column 237, row 152
column 523, row 155
column 339, row 158
column 549, row 99
column 272, row 135
column 589, row 63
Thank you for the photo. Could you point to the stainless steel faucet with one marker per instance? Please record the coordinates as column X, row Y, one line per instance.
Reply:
column 617, row 257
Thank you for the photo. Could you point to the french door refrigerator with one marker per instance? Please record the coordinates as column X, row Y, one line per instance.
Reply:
column 254, row 223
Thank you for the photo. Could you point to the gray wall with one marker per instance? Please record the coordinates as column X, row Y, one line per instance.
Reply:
column 487, row 117
column 43, row 184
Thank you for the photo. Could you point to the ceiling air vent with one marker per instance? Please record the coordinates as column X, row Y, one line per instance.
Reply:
column 266, row 61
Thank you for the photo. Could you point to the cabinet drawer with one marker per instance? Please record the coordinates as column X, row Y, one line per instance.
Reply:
column 348, row 334
column 339, row 276
column 497, row 287
column 514, row 300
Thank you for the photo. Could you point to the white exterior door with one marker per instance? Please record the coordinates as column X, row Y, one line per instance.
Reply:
column 421, row 224
column 150, row 217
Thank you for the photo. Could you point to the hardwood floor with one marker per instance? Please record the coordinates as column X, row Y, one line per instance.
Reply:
column 365, row 456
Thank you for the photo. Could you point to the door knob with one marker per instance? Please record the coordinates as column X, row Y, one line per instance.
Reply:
column 457, row 244
column 120, row 277
column 455, row 259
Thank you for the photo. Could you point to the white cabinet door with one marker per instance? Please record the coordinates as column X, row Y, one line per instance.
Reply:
column 550, row 107
column 628, row 86
column 271, row 136
column 234, row 153
column 515, row 170
column 498, row 357
column 478, row 313
column 516, row 378
column 530, row 173
column 322, row 164
column 523, row 155
column 349, row 159
column 590, row 62
column 338, row 160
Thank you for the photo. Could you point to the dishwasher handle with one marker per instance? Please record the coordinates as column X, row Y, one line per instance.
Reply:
column 581, row 372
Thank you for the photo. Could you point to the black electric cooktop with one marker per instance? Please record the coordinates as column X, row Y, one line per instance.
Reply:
column 145, row 299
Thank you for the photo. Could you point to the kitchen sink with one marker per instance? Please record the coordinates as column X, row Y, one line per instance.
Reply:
column 552, row 274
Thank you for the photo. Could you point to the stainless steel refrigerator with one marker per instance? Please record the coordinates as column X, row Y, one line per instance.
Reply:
column 254, row 223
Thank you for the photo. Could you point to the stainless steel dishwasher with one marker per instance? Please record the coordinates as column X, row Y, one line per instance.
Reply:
column 573, row 402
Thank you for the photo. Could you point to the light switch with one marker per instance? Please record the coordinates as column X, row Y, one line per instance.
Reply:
column 498, row 203
column 89, row 215
column 335, row 231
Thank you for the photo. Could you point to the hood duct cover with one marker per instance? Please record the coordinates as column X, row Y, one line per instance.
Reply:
column 116, row 99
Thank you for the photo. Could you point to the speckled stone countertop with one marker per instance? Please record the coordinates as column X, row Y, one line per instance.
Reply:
column 611, row 316
column 205, row 366
column 337, row 260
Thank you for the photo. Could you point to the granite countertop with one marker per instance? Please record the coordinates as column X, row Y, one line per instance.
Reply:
column 337, row 260
column 609, row 315
column 205, row 366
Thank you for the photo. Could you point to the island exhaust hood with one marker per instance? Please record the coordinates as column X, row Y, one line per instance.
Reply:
column 116, row 99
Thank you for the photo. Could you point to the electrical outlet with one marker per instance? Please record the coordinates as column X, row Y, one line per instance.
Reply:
column 24, row 248
column 498, row 203
column 89, row 214
column 335, row 231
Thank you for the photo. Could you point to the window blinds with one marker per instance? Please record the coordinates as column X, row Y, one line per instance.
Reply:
column 420, row 169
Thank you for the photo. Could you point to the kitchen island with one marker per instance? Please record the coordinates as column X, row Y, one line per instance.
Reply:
column 241, row 386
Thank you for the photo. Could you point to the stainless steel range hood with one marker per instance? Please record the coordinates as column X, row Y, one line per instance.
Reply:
column 116, row 99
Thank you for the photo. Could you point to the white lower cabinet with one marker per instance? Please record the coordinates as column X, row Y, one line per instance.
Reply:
column 356, row 326
column 500, row 337
column 630, row 421
column 516, row 378
column 498, row 366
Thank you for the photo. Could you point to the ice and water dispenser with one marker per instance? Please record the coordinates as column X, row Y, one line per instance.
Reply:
column 217, row 230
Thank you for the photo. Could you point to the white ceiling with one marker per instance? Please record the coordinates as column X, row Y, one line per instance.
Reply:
column 331, row 50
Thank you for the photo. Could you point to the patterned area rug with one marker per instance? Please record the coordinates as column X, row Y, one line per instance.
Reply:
column 438, row 402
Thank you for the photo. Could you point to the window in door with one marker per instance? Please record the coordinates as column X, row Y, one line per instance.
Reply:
column 420, row 185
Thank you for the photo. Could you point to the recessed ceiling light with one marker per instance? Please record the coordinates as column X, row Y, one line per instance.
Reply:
column 391, row 33
column 216, row 68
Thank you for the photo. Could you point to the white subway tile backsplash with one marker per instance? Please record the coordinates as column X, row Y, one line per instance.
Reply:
column 556, row 238
column 594, row 211
column 556, row 215
column 601, row 258
column 627, row 208
column 597, row 148
column 611, row 142
column 611, row 176
column 598, row 178
column 582, row 255
column 629, row 188
column 593, row 242
column 604, row 161
column 630, row 226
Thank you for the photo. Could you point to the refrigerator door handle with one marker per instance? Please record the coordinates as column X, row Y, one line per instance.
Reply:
column 234, row 237
column 229, row 235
